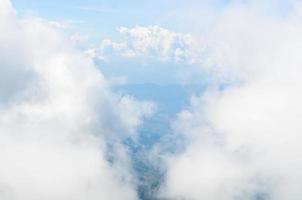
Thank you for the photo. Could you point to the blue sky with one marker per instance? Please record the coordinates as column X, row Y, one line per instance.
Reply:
column 101, row 18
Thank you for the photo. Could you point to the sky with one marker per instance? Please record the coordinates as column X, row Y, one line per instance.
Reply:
column 91, row 22
column 66, row 132
column 113, row 14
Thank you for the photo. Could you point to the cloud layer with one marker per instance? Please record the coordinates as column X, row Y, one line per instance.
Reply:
column 58, row 118
column 244, row 133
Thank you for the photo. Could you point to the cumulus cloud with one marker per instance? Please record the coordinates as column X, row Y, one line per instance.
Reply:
column 244, row 133
column 58, row 117
column 149, row 42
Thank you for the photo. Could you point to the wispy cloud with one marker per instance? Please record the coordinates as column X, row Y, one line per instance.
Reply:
column 99, row 9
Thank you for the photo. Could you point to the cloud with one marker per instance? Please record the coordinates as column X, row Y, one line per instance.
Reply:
column 243, row 134
column 150, row 42
column 58, row 118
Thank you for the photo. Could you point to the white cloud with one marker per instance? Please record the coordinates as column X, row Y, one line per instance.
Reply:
column 150, row 42
column 244, row 140
column 57, row 116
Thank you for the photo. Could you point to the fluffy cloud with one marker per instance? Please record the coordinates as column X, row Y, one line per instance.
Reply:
column 244, row 139
column 58, row 118
column 149, row 42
